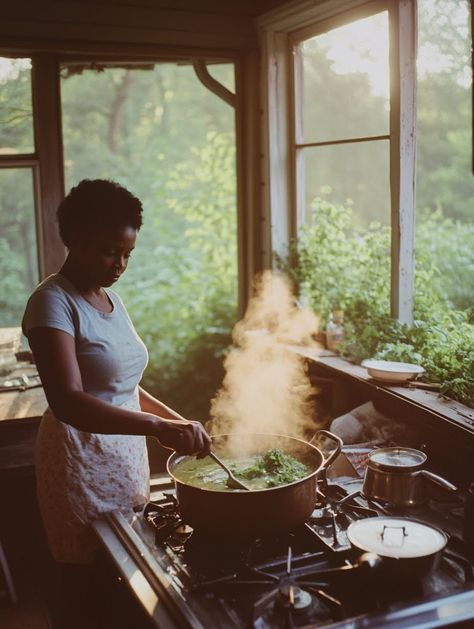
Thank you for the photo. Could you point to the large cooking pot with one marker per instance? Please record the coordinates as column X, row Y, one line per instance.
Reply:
column 395, row 475
column 409, row 548
column 258, row 510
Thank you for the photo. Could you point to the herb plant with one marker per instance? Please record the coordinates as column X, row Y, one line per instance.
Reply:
column 336, row 266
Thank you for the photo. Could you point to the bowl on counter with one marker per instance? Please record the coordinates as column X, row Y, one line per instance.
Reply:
column 392, row 372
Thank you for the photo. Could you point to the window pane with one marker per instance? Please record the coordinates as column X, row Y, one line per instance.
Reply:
column 161, row 133
column 346, row 81
column 356, row 172
column 344, row 241
column 344, row 189
column 445, row 184
column 18, row 257
column 16, row 113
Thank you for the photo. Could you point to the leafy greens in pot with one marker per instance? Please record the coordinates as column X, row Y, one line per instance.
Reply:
column 271, row 469
column 278, row 468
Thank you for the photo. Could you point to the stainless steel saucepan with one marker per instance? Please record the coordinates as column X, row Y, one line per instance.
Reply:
column 395, row 475
column 408, row 548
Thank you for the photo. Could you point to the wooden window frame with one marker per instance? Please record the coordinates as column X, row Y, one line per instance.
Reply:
column 279, row 30
column 43, row 162
column 48, row 163
column 49, row 151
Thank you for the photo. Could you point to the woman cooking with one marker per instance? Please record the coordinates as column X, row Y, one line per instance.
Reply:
column 91, row 453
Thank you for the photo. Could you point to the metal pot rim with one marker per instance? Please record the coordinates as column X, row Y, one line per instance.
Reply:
column 395, row 467
column 176, row 458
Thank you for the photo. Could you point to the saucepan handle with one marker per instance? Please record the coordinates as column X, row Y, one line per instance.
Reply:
column 439, row 480
column 319, row 439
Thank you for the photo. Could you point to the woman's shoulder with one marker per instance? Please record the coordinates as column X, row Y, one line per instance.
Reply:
column 55, row 281
column 51, row 285
column 50, row 305
column 54, row 289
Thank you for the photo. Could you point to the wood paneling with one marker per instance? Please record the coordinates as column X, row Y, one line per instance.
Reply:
column 119, row 34
column 208, row 24
column 299, row 14
column 234, row 7
column 98, row 15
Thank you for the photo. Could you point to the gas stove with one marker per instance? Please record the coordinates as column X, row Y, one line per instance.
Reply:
column 309, row 577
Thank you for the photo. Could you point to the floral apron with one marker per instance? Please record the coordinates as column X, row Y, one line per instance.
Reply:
column 82, row 475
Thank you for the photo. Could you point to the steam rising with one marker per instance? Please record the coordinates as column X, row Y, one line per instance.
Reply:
column 266, row 388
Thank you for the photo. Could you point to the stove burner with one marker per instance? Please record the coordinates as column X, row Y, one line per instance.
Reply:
column 307, row 577
column 295, row 597
column 310, row 603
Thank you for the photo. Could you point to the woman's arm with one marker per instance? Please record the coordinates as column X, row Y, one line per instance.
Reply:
column 55, row 357
column 150, row 404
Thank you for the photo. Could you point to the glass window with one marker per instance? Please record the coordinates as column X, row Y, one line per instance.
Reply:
column 16, row 113
column 340, row 171
column 18, row 253
column 445, row 184
column 344, row 186
column 346, row 81
column 157, row 130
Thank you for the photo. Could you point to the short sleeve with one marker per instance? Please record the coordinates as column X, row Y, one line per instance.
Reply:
column 48, row 308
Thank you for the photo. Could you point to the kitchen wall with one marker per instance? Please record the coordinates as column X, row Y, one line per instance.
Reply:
column 226, row 24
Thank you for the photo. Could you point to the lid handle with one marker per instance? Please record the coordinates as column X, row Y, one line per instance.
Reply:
column 393, row 540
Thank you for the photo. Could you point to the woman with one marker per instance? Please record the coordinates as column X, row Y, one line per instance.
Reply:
column 91, row 453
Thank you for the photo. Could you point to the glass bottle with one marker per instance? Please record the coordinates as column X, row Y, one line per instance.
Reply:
column 335, row 330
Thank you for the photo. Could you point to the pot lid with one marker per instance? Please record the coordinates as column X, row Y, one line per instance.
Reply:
column 401, row 459
column 399, row 538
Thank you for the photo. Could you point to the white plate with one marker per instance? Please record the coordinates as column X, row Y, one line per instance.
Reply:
column 389, row 371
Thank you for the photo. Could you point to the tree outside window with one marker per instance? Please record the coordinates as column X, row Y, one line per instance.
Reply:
column 343, row 252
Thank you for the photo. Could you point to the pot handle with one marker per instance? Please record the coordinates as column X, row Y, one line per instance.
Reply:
column 439, row 480
column 319, row 440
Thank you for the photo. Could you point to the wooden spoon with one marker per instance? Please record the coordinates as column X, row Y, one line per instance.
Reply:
column 232, row 481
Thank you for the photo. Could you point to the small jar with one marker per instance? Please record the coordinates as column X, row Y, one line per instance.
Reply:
column 335, row 330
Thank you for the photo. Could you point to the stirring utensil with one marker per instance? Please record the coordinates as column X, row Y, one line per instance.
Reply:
column 232, row 481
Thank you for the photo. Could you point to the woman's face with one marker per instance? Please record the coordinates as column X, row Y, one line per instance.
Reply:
column 104, row 257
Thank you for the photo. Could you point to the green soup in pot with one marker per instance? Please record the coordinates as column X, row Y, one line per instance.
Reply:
column 272, row 469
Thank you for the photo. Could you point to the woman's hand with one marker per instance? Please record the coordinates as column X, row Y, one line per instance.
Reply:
column 186, row 437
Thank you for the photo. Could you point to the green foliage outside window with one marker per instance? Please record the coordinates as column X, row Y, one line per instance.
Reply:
column 338, row 267
column 183, row 298
column 163, row 135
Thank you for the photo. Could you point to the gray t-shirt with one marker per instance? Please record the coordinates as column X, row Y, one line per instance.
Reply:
column 110, row 353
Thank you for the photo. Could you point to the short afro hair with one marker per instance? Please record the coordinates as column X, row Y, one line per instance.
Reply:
column 94, row 205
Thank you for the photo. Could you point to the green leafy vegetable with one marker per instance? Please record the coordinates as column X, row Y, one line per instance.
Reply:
column 280, row 468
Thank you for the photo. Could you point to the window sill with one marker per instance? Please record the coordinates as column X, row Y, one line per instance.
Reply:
column 426, row 406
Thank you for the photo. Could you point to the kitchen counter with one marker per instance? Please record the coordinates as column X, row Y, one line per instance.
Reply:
column 20, row 414
column 444, row 425
column 443, row 407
